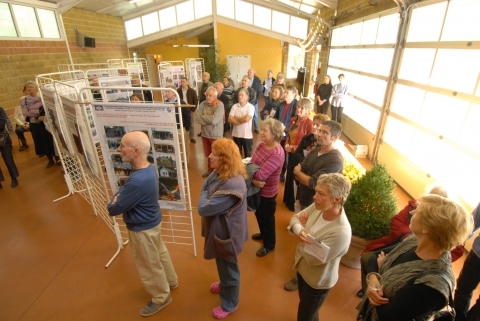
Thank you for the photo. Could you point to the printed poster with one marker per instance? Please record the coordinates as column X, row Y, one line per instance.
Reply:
column 178, row 72
column 79, row 128
column 158, row 122
column 55, row 121
column 116, row 94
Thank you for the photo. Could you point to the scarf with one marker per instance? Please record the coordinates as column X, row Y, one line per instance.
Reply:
column 397, row 277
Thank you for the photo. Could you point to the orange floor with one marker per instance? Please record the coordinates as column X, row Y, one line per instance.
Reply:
column 53, row 257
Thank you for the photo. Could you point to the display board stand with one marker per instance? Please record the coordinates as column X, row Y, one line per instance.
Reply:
column 55, row 124
column 194, row 72
column 170, row 73
column 111, row 121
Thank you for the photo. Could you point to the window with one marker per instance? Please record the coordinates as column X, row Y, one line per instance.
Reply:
column 387, row 29
column 443, row 114
column 243, row 12
column 48, row 22
column 426, row 23
column 296, row 59
column 298, row 27
column 417, row 64
column 226, row 8
column 150, row 23
column 407, row 102
column 369, row 32
column 133, row 28
column 462, row 21
column 167, row 18
column 262, row 17
column 280, row 22
column 456, row 69
column 355, row 34
column 26, row 21
column 7, row 27
column 203, row 8
column 185, row 12
column 399, row 142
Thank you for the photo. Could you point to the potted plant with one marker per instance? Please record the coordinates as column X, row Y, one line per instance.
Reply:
column 369, row 208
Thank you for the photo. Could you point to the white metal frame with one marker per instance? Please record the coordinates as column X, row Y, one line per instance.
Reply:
column 191, row 73
column 173, row 222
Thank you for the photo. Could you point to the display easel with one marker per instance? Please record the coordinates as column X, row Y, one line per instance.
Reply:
column 177, row 225
column 194, row 72
column 144, row 72
column 170, row 72
column 63, row 68
column 55, row 123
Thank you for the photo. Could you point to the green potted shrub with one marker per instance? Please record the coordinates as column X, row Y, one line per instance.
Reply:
column 369, row 208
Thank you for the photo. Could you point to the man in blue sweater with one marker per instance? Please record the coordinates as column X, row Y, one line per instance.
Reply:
column 137, row 199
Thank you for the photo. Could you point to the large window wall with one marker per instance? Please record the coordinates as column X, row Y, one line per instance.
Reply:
column 431, row 132
column 263, row 17
column 19, row 21
column 240, row 11
column 167, row 18
column 363, row 52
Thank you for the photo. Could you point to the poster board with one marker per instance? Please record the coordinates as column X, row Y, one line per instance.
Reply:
column 157, row 121
column 115, row 94
column 194, row 71
column 170, row 73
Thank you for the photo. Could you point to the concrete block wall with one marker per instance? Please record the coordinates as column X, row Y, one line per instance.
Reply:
column 108, row 31
column 22, row 60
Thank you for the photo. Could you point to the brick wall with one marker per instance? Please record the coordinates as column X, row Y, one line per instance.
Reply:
column 22, row 60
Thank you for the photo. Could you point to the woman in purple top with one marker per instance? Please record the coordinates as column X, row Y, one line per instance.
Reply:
column 32, row 109
column 269, row 155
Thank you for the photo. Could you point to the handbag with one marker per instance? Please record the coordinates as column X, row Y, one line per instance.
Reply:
column 3, row 139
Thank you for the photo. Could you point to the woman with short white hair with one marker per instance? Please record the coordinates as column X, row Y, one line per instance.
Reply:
column 417, row 277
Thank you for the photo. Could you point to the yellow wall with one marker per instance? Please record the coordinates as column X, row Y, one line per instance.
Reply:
column 170, row 53
column 266, row 52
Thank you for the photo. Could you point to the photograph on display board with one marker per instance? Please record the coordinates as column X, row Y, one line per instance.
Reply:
column 158, row 123
column 55, row 124
column 166, row 162
column 168, row 178
column 116, row 94
column 75, row 123
column 52, row 114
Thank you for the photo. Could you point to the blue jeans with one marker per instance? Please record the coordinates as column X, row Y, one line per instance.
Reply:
column 310, row 300
column 466, row 283
column 229, row 274
column 255, row 117
column 337, row 113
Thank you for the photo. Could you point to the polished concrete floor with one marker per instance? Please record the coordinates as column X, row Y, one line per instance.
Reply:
column 52, row 258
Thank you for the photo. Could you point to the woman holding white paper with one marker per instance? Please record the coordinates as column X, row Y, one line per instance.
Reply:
column 326, row 221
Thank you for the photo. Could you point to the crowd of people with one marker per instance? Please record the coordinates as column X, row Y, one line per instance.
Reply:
column 405, row 276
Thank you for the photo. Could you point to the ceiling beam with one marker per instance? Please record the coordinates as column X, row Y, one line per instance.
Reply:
column 64, row 5
column 198, row 31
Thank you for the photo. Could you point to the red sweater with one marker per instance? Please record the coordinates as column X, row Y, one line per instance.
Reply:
column 399, row 229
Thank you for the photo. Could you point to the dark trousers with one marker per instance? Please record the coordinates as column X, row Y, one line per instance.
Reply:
column 7, row 156
column 244, row 144
column 265, row 215
column 466, row 283
column 323, row 108
column 310, row 300
column 43, row 140
column 337, row 113
column 21, row 134
column 363, row 269
column 284, row 167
